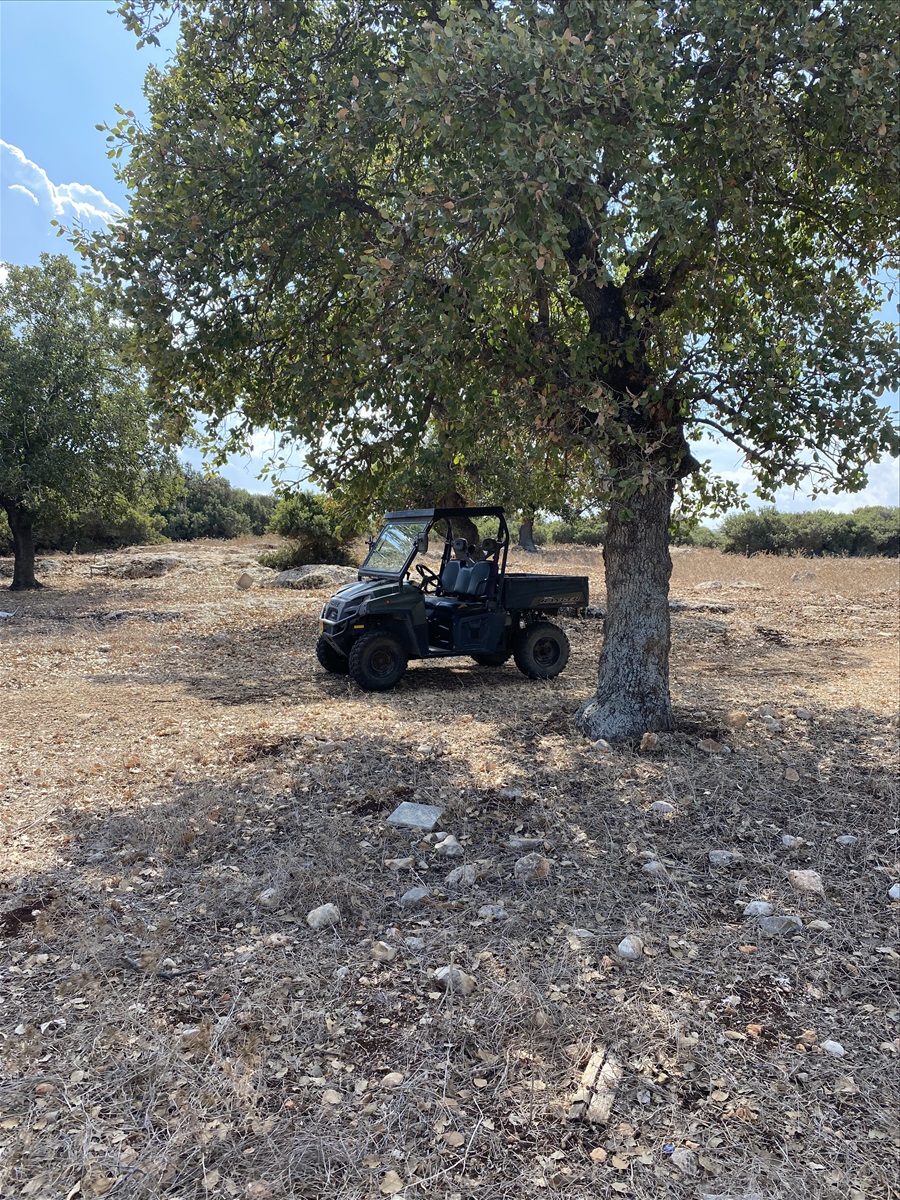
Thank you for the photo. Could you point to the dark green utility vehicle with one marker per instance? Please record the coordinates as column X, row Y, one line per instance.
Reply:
column 471, row 605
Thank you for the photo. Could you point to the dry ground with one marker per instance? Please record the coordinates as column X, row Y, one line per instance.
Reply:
column 171, row 750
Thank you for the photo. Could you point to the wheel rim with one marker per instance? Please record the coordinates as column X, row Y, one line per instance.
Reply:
column 382, row 662
column 546, row 652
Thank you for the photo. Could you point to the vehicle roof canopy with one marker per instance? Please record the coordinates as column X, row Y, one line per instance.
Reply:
column 437, row 514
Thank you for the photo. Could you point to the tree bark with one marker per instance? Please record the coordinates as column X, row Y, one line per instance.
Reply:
column 23, row 548
column 462, row 526
column 526, row 535
column 632, row 694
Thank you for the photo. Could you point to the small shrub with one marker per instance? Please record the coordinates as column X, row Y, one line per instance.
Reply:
column 316, row 529
column 866, row 531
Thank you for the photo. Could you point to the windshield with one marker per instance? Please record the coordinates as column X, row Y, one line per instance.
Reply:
column 394, row 547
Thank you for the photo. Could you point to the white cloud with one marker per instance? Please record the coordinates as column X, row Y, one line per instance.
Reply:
column 73, row 201
column 17, row 187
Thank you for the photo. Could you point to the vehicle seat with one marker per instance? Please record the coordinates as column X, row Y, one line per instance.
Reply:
column 450, row 576
column 476, row 582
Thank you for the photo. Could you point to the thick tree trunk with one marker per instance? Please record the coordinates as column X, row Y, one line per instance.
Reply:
column 23, row 548
column 632, row 694
column 462, row 526
column 526, row 535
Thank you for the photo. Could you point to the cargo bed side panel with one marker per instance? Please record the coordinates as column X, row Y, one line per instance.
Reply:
column 544, row 591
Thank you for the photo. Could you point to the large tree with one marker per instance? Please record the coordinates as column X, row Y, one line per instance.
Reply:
column 619, row 224
column 74, row 422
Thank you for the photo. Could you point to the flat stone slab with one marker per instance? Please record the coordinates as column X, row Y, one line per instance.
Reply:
column 415, row 816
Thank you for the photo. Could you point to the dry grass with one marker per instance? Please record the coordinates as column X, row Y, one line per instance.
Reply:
column 164, row 1035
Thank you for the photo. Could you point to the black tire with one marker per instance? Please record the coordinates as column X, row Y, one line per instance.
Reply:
column 329, row 658
column 542, row 650
column 377, row 661
column 497, row 659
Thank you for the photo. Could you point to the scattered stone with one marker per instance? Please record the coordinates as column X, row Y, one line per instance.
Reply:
column 662, row 808
column 461, row 877
column 847, row 840
column 509, row 793
column 685, row 1160
column 518, row 842
column 835, row 1049
column 894, row 891
column 631, row 948
column 710, row 585
column 269, row 898
column 758, row 908
column 449, row 847
column 792, row 775
column 415, row 816
column 382, row 952
column 323, row 917
column 649, row 742
column 737, row 719
column 452, row 979
column 492, row 912
column 144, row 566
column 392, row 1079
column 807, row 882
column 711, row 746
column 819, row 926
column 414, row 897
column 399, row 864
column 790, row 842
column 723, row 858
column 532, row 867
column 245, row 581
column 331, row 1096
column 313, row 577
column 772, row 725
column 781, row 925
column 803, row 714
column 765, row 710
column 416, row 944
column 603, row 746
column 656, row 871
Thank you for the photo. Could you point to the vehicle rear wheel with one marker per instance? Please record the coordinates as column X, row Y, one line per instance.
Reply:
column 542, row 650
column 329, row 658
column 497, row 659
column 377, row 661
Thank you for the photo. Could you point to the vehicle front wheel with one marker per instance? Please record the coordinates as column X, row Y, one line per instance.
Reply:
column 542, row 650
column 329, row 658
column 497, row 659
column 377, row 661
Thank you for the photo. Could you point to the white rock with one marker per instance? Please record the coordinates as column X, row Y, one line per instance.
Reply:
column 649, row 742
column 723, row 858
column 245, row 581
column 382, row 952
column 847, row 840
column 461, row 877
column 323, row 917
column 510, row 793
column 685, row 1160
column 399, row 864
column 414, row 897
column 392, row 1079
column 492, row 912
column 807, row 882
column 835, row 1049
column 449, row 847
column 819, row 926
column 790, row 842
column 758, row 908
column 516, row 841
column 894, row 891
column 532, row 867
column 269, row 898
column 452, row 979
column 662, row 808
column 603, row 746
column 630, row 948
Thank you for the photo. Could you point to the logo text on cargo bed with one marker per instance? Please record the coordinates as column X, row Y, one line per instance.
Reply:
column 571, row 598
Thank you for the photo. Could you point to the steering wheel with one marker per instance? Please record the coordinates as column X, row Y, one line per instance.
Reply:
column 430, row 579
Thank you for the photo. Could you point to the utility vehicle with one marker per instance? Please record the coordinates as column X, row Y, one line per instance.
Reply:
column 471, row 605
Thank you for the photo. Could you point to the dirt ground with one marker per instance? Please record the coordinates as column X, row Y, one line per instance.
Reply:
column 180, row 784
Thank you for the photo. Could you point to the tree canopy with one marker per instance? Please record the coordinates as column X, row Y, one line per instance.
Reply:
column 74, row 421
column 613, row 226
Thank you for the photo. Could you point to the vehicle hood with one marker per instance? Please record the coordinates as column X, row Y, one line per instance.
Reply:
column 366, row 589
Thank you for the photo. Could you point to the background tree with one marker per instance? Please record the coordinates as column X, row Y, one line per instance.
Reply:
column 74, row 431
column 621, row 223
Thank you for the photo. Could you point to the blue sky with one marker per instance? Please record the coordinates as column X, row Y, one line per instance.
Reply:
column 64, row 65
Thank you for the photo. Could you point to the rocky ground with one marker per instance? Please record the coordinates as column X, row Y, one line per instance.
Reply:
column 667, row 969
